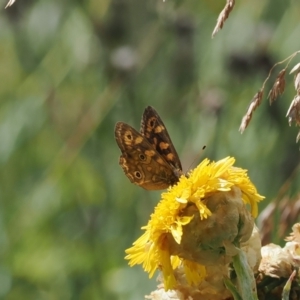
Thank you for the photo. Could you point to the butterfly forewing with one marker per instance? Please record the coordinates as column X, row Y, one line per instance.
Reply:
column 153, row 128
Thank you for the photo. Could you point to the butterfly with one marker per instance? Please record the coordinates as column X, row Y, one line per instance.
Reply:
column 148, row 158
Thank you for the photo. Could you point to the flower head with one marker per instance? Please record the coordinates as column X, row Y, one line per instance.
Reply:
column 198, row 222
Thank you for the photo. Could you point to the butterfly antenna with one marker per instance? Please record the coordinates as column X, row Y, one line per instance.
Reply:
column 197, row 158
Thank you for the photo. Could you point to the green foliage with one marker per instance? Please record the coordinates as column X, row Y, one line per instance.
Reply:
column 69, row 71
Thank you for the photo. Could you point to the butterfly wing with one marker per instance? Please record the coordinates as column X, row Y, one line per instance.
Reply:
column 142, row 164
column 153, row 128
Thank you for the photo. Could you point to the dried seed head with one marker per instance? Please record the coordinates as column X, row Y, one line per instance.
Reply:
column 295, row 234
column 278, row 87
column 255, row 102
column 10, row 3
column 297, row 82
column 294, row 111
column 223, row 16
column 276, row 261
column 296, row 68
column 280, row 262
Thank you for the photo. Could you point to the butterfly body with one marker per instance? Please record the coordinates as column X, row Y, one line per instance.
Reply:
column 148, row 158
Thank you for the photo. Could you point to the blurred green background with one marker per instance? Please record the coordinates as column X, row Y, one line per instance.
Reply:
column 69, row 71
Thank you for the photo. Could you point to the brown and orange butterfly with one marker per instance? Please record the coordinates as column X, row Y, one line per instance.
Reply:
column 148, row 158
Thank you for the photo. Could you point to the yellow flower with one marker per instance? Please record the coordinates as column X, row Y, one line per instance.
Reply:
column 197, row 221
